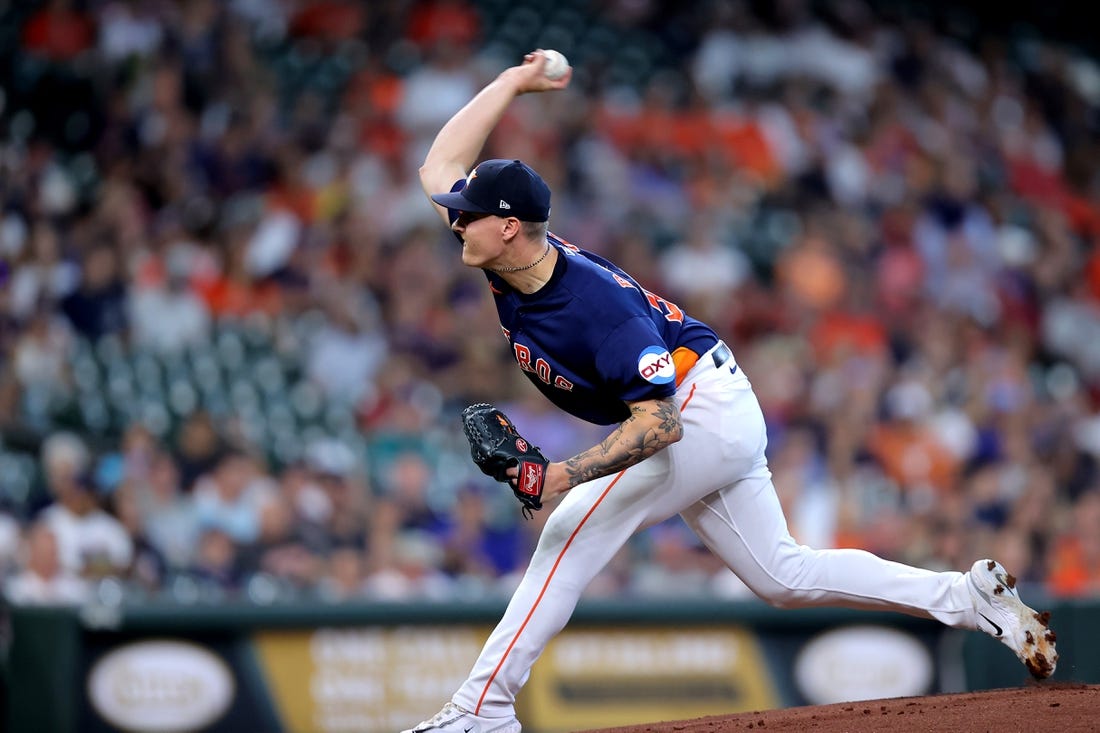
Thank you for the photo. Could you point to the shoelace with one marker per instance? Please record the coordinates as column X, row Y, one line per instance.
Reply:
column 448, row 709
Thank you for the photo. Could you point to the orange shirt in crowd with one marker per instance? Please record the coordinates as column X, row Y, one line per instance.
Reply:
column 693, row 134
column 912, row 456
column 1072, row 571
column 842, row 331
column 227, row 296
column 813, row 274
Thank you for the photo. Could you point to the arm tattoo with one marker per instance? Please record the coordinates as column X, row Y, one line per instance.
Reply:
column 652, row 425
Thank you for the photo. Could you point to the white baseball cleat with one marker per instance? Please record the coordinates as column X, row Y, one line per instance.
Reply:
column 453, row 719
column 1002, row 615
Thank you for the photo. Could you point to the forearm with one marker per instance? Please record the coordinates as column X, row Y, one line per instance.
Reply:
column 652, row 425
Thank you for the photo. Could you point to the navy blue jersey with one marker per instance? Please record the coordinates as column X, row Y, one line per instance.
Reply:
column 592, row 339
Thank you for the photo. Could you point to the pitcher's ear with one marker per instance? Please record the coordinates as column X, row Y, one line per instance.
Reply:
column 510, row 227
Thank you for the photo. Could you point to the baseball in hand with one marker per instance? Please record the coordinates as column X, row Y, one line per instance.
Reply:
column 556, row 64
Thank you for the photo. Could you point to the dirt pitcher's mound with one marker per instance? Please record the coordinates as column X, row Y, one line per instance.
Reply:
column 1059, row 707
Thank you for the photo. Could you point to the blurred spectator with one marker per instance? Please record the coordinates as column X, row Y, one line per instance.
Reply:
column 345, row 504
column 198, row 447
column 409, row 571
column 148, row 567
column 439, row 22
column 407, row 484
column 170, row 316
column 281, row 550
column 43, row 579
column 805, row 489
column 232, row 496
column 217, row 566
column 41, row 275
column 129, row 30
column 436, row 89
column 702, row 271
column 613, row 581
column 909, row 452
column 310, row 505
column 343, row 577
column 90, row 542
column 168, row 517
column 138, row 450
column 328, row 20
column 478, row 546
column 347, row 351
column 1075, row 560
column 234, row 290
column 42, row 354
column 99, row 305
column 674, row 564
column 811, row 271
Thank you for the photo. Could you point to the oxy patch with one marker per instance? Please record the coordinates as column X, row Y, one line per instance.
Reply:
column 656, row 366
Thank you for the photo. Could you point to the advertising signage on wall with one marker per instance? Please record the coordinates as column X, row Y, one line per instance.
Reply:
column 308, row 671
column 364, row 679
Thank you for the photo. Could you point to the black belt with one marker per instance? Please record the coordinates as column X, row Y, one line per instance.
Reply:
column 721, row 354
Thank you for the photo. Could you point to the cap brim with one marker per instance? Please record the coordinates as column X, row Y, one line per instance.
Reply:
column 455, row 200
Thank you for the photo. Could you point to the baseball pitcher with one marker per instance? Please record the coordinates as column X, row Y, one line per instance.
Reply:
column 689, row 436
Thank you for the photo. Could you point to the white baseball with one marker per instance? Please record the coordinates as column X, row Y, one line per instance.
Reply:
column 556, row 64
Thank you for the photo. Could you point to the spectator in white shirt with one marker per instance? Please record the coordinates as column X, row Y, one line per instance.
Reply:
column 170, row 316
column 43, row 580
column 90, row 542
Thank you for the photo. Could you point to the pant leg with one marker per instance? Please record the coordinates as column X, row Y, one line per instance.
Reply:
column 744, row 525
column 742, row 522
column 585, row 531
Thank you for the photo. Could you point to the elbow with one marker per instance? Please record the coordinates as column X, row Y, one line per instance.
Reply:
column 435, row 177
column 430, row 179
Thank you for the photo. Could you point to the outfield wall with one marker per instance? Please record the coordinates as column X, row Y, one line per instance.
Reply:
column 375, row 668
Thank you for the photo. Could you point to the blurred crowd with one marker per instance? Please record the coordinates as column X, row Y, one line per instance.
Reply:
column 235, row 340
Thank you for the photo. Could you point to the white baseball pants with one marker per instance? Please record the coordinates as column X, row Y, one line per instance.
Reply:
column 716, row 477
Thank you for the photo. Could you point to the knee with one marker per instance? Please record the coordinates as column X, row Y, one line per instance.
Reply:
column 786, row 585
column 556, row 532
column 779, row 596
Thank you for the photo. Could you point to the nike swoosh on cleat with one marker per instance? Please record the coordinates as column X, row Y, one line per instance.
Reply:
column 1000, row 631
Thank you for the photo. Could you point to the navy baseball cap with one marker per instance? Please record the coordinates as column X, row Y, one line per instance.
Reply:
column 504, row 188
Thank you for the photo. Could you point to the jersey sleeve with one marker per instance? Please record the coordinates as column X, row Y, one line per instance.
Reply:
column 636, row 362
